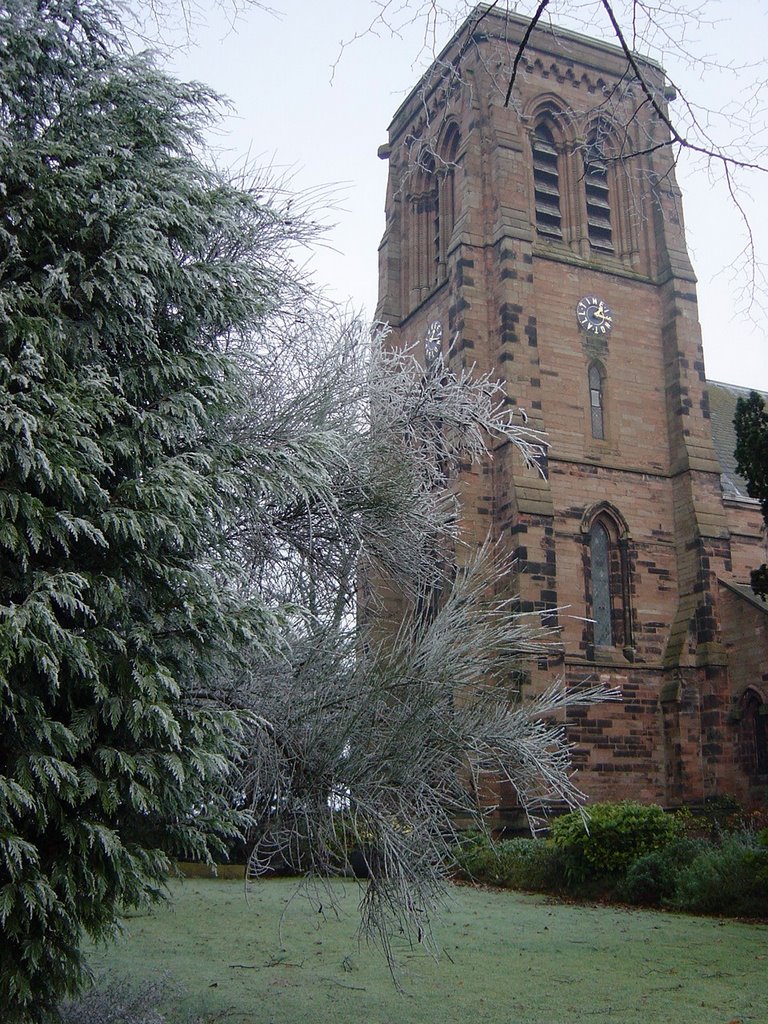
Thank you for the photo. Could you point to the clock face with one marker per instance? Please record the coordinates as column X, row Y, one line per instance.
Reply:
column 593, row 315
column 433, row 343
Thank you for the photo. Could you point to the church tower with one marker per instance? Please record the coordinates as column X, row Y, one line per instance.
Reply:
column 546, row 236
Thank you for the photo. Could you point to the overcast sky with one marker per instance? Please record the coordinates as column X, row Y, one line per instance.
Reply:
column 293, row 111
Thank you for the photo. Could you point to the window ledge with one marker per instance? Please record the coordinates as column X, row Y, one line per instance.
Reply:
column 560, row 253
column 602, row 654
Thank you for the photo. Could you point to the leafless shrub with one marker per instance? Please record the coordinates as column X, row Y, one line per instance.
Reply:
column 119, row 1002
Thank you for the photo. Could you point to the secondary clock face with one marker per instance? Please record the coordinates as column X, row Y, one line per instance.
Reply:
column 594, row 315
column 433, row 343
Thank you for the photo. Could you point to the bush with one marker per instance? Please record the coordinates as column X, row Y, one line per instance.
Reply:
column 715, row 817
column 652, row 879
column 530, row 864
column 614, row 836
column 118, row 1002
column 729, row 878
column 476, row 858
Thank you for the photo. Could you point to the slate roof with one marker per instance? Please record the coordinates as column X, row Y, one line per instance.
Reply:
column 744, row 591
column 722, row 406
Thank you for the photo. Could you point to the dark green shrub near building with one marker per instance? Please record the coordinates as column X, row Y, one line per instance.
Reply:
column 652, row 879
column 729, row 877
column 613, row 836
column 633, row 852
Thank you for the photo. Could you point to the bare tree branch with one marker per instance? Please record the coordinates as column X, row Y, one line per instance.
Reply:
column 522, row 48
column 676, row 138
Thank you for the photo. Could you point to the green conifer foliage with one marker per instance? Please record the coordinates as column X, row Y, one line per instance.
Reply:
column 751, row 423
column 125, row 265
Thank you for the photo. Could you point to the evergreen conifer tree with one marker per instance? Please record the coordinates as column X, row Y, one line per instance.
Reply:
column 125, row 268
column 751, row 423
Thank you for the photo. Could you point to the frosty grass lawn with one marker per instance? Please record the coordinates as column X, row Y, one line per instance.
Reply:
column 507, row 957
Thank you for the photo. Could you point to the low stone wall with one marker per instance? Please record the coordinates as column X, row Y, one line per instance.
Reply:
column 190, row 870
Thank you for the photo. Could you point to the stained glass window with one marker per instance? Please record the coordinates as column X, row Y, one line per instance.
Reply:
column 599, row 545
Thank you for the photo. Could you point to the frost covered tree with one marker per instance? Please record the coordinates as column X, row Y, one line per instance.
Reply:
column 196, row 458
column 378, row 733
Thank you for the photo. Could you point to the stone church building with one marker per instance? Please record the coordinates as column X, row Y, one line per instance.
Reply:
column 546, row 237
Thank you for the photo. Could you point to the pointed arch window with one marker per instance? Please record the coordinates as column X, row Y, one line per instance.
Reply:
column 546, row 183
column 754, row 733
column 600, row 558
column 446, row 211
column 599, row 228
column 425, row 226
column 596, row 376
column 607, row 573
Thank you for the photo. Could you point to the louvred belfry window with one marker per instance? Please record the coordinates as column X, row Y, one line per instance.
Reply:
column 447, row 194
column 546, row 180
column 598, row 195
column 425, row 227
